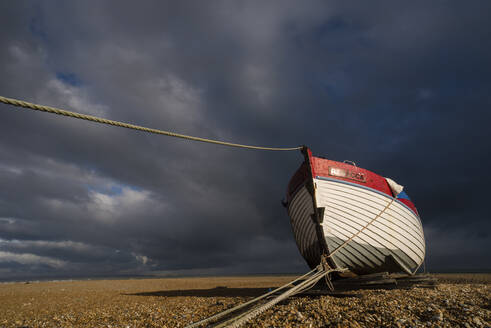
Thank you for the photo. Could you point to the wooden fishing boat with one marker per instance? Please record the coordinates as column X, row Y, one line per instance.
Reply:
column 361, row 221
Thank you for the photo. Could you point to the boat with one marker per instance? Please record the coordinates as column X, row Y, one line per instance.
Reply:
column 359, row 221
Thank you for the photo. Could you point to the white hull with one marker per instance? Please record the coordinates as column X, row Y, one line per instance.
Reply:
column 393, row 242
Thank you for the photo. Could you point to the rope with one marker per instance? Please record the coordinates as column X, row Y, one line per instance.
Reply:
column 243, row 318
column 314, row 276
column 221, row 314
column 322, row 270
column 53, row 110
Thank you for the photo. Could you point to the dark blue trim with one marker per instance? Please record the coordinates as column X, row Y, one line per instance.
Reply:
column 403, row 195
column 367, row 188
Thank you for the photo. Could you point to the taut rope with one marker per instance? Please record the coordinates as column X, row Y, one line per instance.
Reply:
column 58, row 111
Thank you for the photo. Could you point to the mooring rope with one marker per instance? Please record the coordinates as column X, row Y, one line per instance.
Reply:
column 58, row 111
column 223, row 313
column 313, row 276
column 248, row 315
column 252, row 313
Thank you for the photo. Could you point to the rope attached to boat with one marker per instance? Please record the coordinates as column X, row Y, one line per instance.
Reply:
column 240, row 306
column 310, row 279
column 58, row 111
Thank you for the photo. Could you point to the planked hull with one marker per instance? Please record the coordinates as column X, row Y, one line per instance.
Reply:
column 326, row 211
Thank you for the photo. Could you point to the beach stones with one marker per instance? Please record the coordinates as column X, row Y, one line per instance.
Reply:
column 177, row 302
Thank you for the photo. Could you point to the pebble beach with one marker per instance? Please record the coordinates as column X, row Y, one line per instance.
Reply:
column 459, row 300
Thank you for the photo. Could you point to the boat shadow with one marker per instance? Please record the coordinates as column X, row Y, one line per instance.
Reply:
column 211, row 292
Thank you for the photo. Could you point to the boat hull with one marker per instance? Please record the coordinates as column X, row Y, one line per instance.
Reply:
column 378, row 231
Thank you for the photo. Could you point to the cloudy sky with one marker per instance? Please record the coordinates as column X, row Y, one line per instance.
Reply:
column 401, row 88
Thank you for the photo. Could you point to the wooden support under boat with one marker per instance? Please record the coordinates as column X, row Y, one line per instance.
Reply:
column 381, row 280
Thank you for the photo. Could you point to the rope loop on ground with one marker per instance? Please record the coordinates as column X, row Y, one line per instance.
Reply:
column 58, row 111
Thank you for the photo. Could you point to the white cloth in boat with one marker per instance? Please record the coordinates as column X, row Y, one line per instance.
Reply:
column 394, row 186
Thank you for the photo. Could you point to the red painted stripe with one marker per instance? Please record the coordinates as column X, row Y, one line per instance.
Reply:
column 409, row 204
column 321, row 167
column 372, row 180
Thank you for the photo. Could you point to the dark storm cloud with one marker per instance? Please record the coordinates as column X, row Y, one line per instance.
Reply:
column 402, row 89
